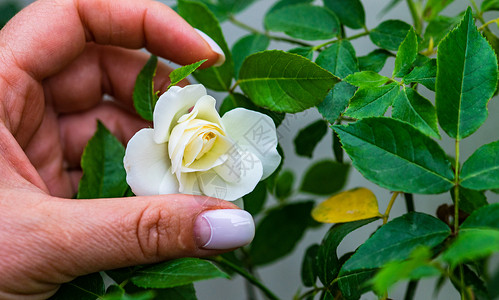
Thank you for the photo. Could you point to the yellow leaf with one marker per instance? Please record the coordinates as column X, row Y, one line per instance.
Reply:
column 348, row 206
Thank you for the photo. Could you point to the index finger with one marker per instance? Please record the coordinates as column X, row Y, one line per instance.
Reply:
column 49, row 34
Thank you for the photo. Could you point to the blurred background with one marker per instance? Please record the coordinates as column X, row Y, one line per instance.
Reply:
column 283, row 277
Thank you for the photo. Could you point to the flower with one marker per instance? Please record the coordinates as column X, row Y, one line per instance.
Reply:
column 192, row 150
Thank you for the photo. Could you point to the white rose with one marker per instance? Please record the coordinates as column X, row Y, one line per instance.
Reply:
column 192, row 150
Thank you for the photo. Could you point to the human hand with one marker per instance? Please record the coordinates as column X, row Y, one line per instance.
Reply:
column 57, row 60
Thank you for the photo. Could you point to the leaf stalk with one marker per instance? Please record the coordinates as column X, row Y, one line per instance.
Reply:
column 389, row 208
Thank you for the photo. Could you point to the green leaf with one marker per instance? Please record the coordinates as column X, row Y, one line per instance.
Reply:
column 416, row 267
column 372, row 101
column 481, row 170
column 394, row 241
column 8, row 9
column 282, row 3
column 406, row 54
column 144, row 96
column 178, row 74
column 200, row 17
column 328, row 264
column 366, row 79
column 308, row 138
column 176, row 272
column 434, row 7
column 339, row 59
column 416, row 110
column 472, row 244
column 284, row 184
column 307, row 52
column 303, row 21
column 336, row 101
column 278, row 232
column 222, row 9
column 489, row 5
column 87, row 287
column 351, row 13
column 438, row 28
column 102, row 163
column 374, row 61
column 247, row 45
column 146, row 295
column 466, row 79
column 425, row 74
column 389, row 6
column 234, row 100
column 325, row 177
column 396, row 156
column 184, row 292
column 470, row 200
column 284, row 82
column 309, row 266
column 484, row 217
column 389, row 34
column 254, row 201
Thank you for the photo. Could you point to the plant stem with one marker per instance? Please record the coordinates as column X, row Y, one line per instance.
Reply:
column 409, row 202
column 389, row 208
column 478, row 12
column 488, row 23
column 415, row 16
column 353, row 37
column 246, row 275
column 272, row 37
column 311, row 293
column 456, row 189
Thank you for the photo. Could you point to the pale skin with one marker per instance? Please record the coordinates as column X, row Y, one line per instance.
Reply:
column 57, row 60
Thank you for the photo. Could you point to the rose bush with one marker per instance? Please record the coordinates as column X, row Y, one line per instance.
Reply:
column 192, row 150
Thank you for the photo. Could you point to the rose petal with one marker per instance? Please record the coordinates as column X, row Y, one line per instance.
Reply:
column 214, row 185
column 206, row 110
column 215, row 157
column 173, row 104
column 147, row 166
column 256, row 133
column 189, row 184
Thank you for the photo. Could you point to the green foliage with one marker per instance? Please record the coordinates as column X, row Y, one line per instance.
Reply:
column 309, row 266
column 223, row 9
column 144, row 96
column 102, row 164
column 175, row 273
column 489, row 5
column 254, row 201
column 336, row 101
column 7, row 10
column 279, row 231
column 328, row 264
column 307, row 52
column 466, row 77
column 481, row 170
column 485, row 217
column 179, row 74
column 413, row 108
column 389, row 34
column 351, row 13
column 303, row 21
column 308, row 138
column 200, row 17
column 366, row 79
column 339, row 59
column 294, row 83
column 394, row 241
column 372, row 101
column 406, row 54
column 425, row 74
column 239, row 100
column 472, row 244
column 416, row 267
column 434, row 7
column 82, row 288
column 284, row 184
column 376, row 146
column 438, row 28
column 325, row 178
column 374, row 61
column 245, row 46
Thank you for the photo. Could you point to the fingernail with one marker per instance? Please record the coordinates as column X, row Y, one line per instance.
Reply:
column 214, row 46
column 224, row 229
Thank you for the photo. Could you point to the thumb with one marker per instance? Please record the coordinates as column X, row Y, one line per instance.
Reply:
column 101, row 234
